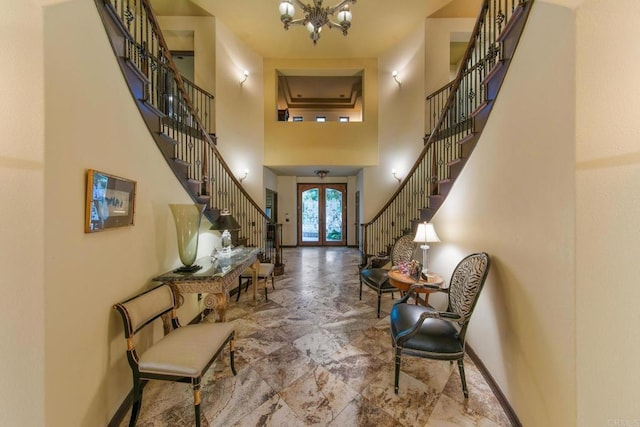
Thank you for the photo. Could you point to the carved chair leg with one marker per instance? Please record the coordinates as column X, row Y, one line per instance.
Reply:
column 379, row 300
column 196, row 401
column 397, row 374
column 239, row 288
column 360, row 290
column 137, row 402
column 463, row 379
column 232, row 350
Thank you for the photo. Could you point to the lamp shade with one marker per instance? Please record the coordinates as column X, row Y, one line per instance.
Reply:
column 225, row 222
column 426, row 233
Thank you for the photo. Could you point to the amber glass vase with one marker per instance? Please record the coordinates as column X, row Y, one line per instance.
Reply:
column 187, row 218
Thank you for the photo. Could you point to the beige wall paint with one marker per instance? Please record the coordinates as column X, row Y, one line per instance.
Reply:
column 287, row 208
column 22, row 215
column 239, row 116
column 438, row 35
column 194, row 33
column 608, row 216
column 90, row 125
column 515, row 200
column 331, row 143
column 401, row 120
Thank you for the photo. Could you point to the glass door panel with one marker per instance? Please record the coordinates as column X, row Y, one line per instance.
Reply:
column 322, row 214
column 310, row 216
column 333, row 214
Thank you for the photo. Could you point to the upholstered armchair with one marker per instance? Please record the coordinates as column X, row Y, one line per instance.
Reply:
column 427, row 333
column 378, row 278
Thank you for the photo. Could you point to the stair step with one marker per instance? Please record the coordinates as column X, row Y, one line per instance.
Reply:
column 194, row 186
column 152, row 108
column 426, row 214
column 455, row 166
column 115, row 20
column 468, row 143
column 516, row 17
column 167, row 138
column 137, row 71
column 435, row 201
column 444, row 185
column 181, row 167
column 493, row 80
column 480, row 107
column 204, row 200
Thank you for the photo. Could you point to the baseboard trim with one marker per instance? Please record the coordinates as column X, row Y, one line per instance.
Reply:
column 502, row 399
column 118, row 417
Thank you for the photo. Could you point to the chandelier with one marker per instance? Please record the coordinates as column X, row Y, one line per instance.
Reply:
column 316, row 16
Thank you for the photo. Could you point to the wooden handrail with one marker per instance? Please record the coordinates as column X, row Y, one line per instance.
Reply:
column 182, row 137
column 455, row 124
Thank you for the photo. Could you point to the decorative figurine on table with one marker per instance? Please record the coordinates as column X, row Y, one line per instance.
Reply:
column 410, row 268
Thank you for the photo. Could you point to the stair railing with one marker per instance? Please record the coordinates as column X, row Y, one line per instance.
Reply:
column 202, row 101
column 186, row 122
column 455, row 105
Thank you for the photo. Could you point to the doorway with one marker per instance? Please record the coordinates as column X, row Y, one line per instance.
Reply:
column 322, row 212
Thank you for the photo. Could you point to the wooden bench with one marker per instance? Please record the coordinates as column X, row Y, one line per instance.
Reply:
column 183, row 355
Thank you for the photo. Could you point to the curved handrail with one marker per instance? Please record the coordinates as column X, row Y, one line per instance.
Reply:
column 443, row 146
column 455, row 84
column 188, row 146
column 176, row 74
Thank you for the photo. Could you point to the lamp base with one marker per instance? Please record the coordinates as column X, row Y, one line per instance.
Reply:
column 188, row 268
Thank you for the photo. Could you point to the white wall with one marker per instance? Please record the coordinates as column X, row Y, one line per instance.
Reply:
column 515, row 200
column 22, row 215
column 92, row 122
column 608, row 213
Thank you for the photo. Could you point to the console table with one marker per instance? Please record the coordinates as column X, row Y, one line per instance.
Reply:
column 215, row 278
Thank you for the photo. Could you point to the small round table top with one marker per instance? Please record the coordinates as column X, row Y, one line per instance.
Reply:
column 404, row 282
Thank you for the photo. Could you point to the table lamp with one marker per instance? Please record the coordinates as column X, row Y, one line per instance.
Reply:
column 224, row 223
column 425, row 234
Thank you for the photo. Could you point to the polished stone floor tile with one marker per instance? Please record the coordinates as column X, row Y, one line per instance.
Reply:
column 315, row 354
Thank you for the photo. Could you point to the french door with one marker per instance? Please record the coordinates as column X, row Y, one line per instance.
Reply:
column 322, row 214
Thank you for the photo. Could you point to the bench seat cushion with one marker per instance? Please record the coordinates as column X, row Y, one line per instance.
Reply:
column 186, row 351
column 265, row 270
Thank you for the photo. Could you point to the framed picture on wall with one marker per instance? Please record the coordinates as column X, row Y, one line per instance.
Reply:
column 110, row 201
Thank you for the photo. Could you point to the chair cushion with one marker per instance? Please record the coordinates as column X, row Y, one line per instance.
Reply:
column 185, row 351
column 438, row 338
column 375, row 277
column 265, row 270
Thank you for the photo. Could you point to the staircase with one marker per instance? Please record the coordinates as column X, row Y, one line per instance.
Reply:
column 178, row 115
column 457, row 114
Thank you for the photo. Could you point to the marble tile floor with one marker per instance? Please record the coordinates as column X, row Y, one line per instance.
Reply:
column 317, row 355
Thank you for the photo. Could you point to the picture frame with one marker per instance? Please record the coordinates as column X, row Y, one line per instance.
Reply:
column 109, row 202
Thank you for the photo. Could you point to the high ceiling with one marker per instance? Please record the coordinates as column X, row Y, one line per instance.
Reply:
column 376, row 27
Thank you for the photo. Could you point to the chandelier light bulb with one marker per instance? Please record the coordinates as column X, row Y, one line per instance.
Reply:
column 310, row 27
column 316, row 16
column 344, row 16
column 287, row 10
